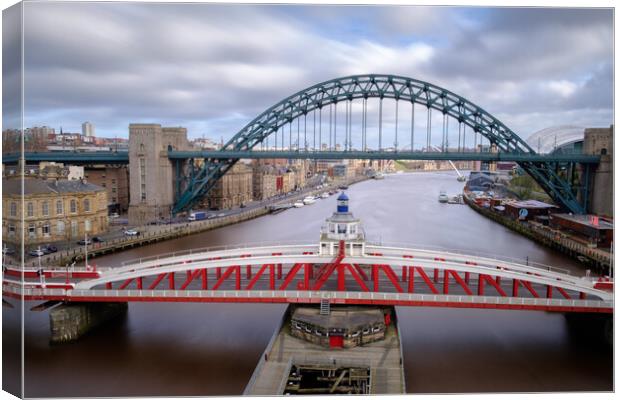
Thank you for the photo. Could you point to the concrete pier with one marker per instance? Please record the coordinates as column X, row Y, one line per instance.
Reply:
column 69, row 322
column 382, row 358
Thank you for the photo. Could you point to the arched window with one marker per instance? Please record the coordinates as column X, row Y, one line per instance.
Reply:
column 73, row 206
column 30, row 209
column 86, row 205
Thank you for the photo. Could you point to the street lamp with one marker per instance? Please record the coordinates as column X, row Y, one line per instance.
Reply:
column 85, row 249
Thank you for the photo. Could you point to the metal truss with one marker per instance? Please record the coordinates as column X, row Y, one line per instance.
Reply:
column 377, row 86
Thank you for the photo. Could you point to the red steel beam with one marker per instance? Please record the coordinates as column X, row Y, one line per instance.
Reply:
column 171, row 280
column 411, row 280
column 427, row 280
column 190, row 277
column 290, row 276
column 159, row 278
column 224, row 276
column 460, row 281
column 125, row 284
column 493, row 283
column 256, row 277
column 356, row 276
column 529, row 287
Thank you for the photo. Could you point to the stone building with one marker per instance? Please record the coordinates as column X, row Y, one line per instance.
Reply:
column 151, row 173
column 600, row 141
column 115, row 179
column 54, row 210
column 264, row 182
column 233, row 189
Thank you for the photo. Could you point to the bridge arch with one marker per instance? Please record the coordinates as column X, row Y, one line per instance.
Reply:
column 379, row 86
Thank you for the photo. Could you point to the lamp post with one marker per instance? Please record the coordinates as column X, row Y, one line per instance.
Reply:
column 85, row 249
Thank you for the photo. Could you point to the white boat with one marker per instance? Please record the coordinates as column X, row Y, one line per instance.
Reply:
column 324, row 195
column 299, row 204
column 309, row 200
column 443, row 197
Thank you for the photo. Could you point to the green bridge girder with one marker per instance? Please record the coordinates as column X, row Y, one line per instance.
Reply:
column 385, row 155
column 377, row 86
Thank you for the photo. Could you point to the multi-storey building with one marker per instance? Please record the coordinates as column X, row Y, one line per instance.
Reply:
column 53, row 210
column 233, row 189
column 88, row 129
column 115, row 180
column 264, row 182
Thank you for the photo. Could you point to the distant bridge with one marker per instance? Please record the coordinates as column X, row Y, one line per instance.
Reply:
column 267, row 136
column 301, row 274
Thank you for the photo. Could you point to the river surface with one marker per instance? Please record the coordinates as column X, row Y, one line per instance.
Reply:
column 168, row 349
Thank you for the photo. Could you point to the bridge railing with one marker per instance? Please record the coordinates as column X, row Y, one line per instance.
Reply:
column 247, row 245
column 462, row 252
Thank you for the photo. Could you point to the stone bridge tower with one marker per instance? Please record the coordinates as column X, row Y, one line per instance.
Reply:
column 151, row 173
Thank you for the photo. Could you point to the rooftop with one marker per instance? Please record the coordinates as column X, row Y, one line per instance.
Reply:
column 530, row 204
column 41, row 186
column 592, row 221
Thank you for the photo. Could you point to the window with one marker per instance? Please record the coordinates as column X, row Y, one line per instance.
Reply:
column 11, row 230
column 103, row 184
column 113, row 190
column 30, row 209
column 46, row 229
column 32, row 230
column 87, row 225
column 74, row 228
column 86, row 205
column 60, row 228
column 13, row 209
column 113, row 181
column 342, row 228
column 73, row 206
column 113, row 199
column 45, row 209
column 59, row 207
column 142, row 179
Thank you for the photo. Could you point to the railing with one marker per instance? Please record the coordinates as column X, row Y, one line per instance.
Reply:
column 248, row 245
column 461, row 252
column 303, row 295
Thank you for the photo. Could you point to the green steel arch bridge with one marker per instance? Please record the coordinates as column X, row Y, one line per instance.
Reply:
column 271, row 135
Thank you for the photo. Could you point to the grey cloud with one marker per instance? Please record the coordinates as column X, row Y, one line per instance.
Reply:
column 213, row 68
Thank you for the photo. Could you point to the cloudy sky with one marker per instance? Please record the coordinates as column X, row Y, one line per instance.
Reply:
column 213, row 68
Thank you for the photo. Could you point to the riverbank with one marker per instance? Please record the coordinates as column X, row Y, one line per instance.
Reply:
column 170, row 231
column 597, row 259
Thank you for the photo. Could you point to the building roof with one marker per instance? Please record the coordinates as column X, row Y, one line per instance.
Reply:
column 529, row 204
column 548, row 139
column 41, row 186
column 587, row 220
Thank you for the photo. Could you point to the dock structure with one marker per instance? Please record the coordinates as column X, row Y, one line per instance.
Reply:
column 287, row 356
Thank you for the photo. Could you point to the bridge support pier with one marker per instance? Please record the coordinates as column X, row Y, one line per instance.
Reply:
column 70, row 321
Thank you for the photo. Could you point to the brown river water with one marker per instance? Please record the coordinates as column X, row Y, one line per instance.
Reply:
column 178, row 349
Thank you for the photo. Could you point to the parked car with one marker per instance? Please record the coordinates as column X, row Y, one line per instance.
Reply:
column 114, row 215
column 7, row 251
column 97, row 239
column 36, row 253
column 85, row 242
column 49, row 249
column 131, row 232
column 220, row 215
column 242, row 205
